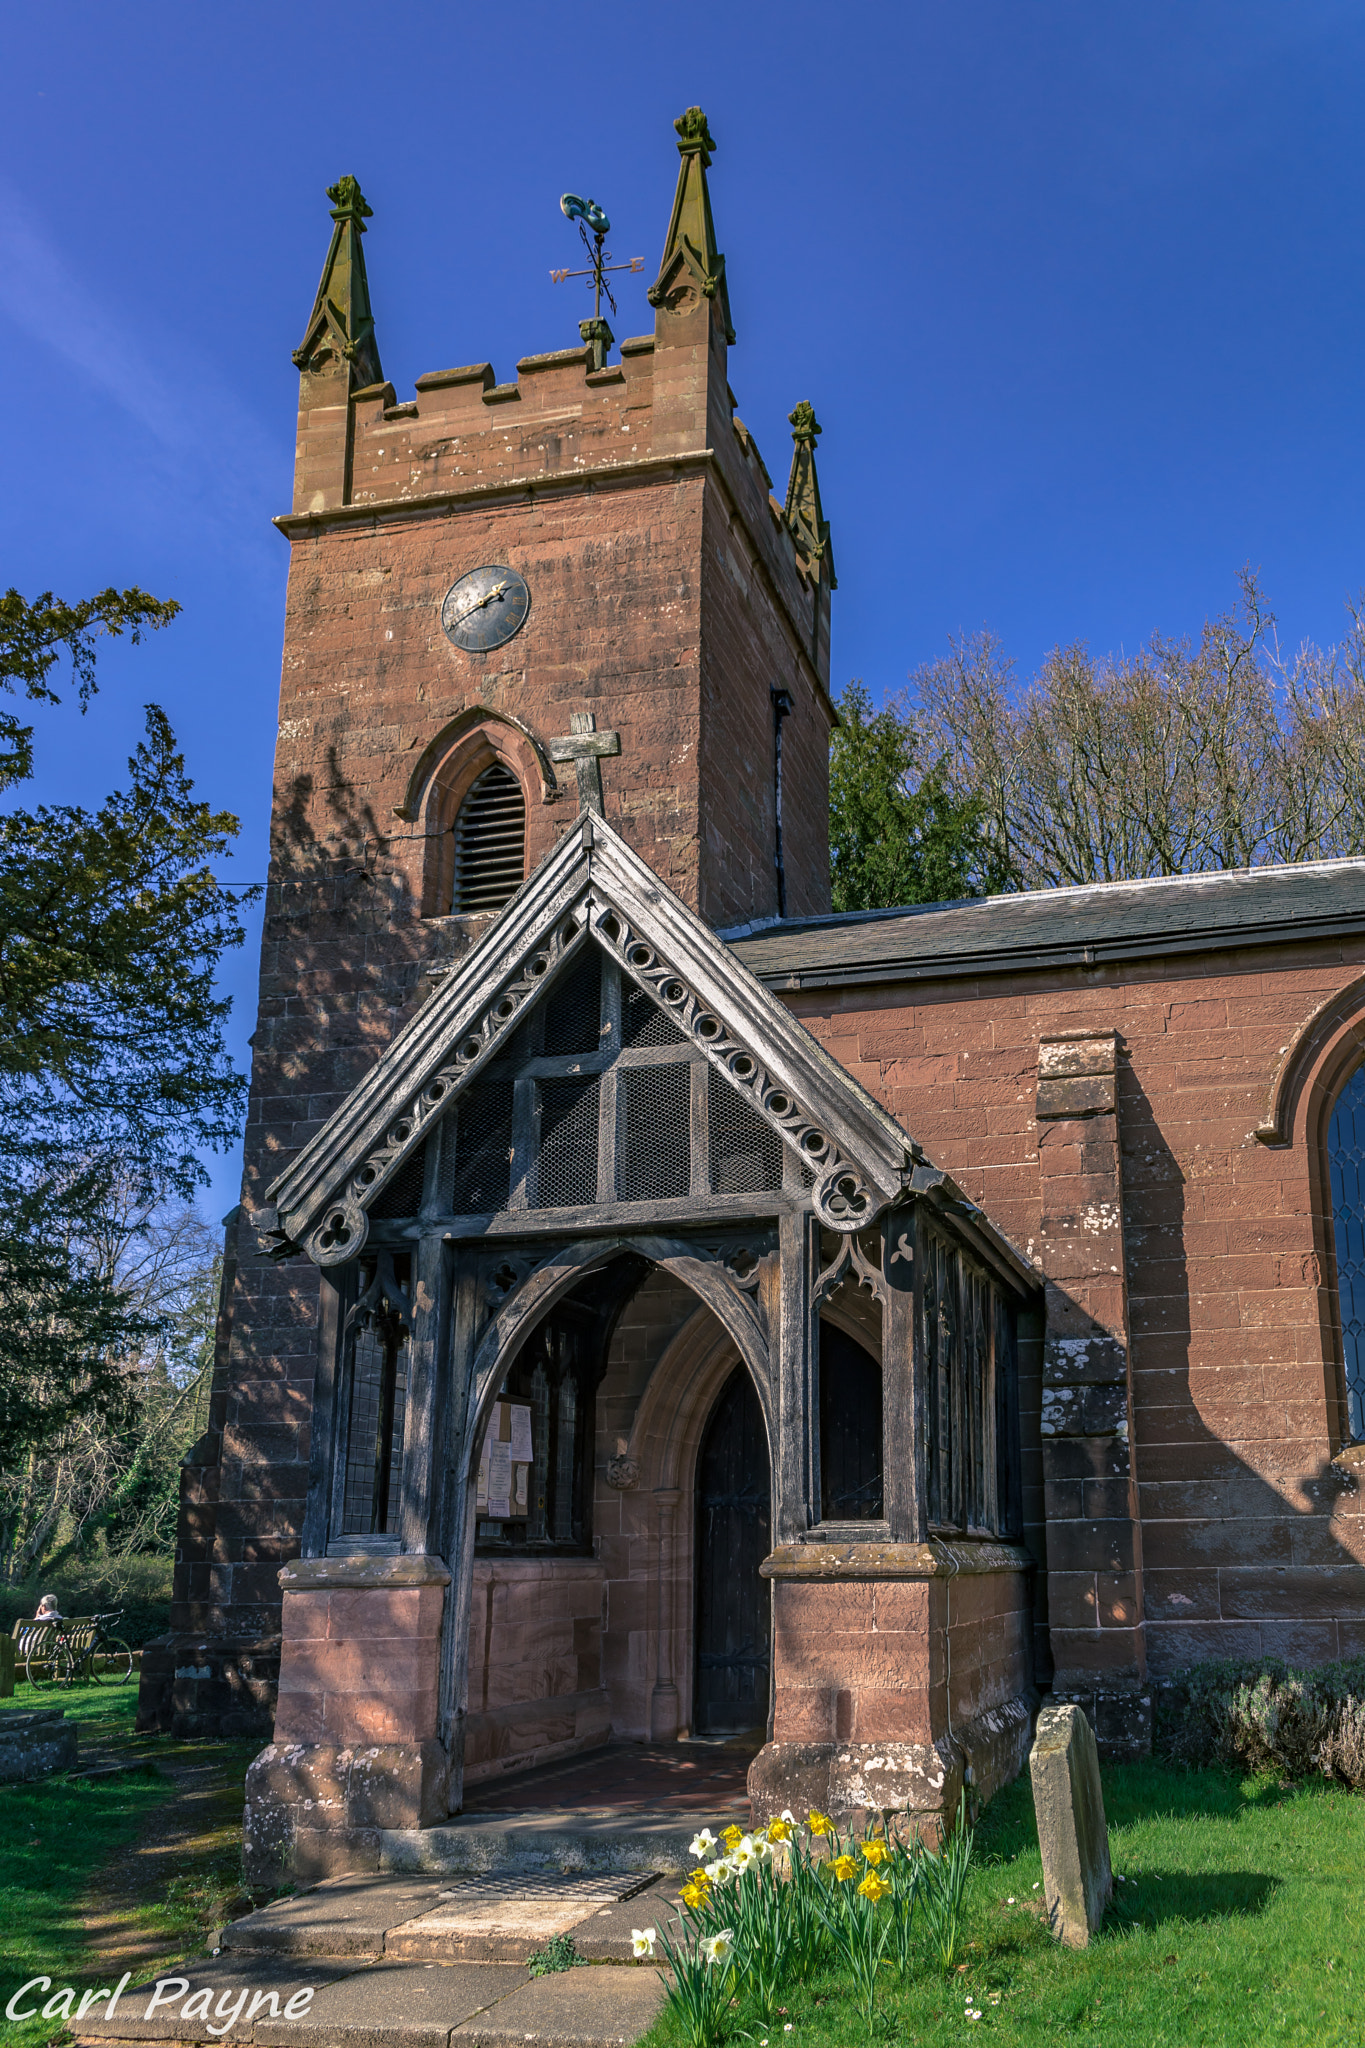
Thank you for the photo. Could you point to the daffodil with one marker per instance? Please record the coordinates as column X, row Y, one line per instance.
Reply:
column 718, row 1948
column 820, row 1823
column 694, row 1895
column 844, row 1868
column 873, row 1852
column 874, row 1887
column 731, row 1835
column 701, row 1845
column 779, row 1830
column 642, row 1940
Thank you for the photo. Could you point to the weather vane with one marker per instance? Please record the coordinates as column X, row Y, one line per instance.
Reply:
column 589, row 214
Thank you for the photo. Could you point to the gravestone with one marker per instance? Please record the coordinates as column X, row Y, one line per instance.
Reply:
column 7, row 1663
column 1065, row 1768
column 33, row 1745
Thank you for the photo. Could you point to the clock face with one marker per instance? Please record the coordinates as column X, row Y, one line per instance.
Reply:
column 485, row 608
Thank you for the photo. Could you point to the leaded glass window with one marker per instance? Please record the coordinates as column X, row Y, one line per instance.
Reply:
column 1346, row 1153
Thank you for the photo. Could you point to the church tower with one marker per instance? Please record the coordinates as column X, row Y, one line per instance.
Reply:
column 507, row 601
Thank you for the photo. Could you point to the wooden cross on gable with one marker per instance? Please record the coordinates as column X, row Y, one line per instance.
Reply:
column 587, row 748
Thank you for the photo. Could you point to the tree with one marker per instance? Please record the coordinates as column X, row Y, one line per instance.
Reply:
column 898, row 833
column 1183, row 758
column 113, row 1070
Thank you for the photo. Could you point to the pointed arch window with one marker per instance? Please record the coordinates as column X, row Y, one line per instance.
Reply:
column 1346, row 1159
column 490, row 843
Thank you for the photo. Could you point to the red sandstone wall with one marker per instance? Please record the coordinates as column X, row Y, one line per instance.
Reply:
column 1253, row 1543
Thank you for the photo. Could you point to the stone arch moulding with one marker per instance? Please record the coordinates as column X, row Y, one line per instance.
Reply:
column 448, row 769
column 1329, row 1039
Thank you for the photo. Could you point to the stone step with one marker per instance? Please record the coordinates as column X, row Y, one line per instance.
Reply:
column 551, row 1838
column 501, row 1916
column 380, row 2003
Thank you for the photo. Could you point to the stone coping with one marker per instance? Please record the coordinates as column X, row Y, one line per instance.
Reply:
column 365, row 1568
column 935, row 1559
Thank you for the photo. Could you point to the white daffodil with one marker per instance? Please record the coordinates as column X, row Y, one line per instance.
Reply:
column 718, row 1948
column 743, row 1854
column 789, row 1817
column 763, row 1849
column 702, row 1844
column 642, row 1940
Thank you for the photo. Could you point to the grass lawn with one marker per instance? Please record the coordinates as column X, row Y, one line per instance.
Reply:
column 64, row 1845
column 1241, row 1922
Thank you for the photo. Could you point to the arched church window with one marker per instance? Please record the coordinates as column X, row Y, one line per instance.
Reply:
column 1346, row 1156
column 850, row 1429
column 490, row 843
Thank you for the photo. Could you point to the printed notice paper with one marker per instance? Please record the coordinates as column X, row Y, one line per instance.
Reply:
column 521, row 1435
column 500, row 1481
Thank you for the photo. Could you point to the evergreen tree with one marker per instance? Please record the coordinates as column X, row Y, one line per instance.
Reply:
column 898, row 834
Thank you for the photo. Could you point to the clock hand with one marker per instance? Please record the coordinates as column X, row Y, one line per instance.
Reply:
column 476, row 604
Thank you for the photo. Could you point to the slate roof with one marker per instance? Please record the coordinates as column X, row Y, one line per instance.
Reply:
column 1059, row 927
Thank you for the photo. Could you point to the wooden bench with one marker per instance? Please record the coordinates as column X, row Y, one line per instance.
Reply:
column 38, row 1640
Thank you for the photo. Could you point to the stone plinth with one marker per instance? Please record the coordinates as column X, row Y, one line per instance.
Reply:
column 902, row 1672
column 1065, row 1768
column 35, row 1745
column 356, row 1748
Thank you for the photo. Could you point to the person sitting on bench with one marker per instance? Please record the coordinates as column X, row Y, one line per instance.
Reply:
column 48, row 1610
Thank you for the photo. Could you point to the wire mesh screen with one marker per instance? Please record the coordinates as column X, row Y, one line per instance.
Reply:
column 403, row 1195
column 573, row 1006
column 643, row 1022
column 490, row 843
column 374, row 1442
column 1346, row 1152
column 567, row 1178
column 476, row 1170
column 746, row 1155
column 654, row 1147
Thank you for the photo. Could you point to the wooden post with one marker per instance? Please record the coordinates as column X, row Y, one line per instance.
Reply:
column 902, row 1383
column 796, row 1454
column 454, row 1514
column 430, row 1310
column 327, row 1392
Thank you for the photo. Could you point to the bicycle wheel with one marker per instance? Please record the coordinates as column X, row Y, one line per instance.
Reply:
column 116, row 1658
column 68, row 1666
column 40, row 1665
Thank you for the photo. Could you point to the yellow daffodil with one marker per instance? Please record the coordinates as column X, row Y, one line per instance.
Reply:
column 779, row 1831
column 873, row 1852
column 694, row 1895
column 844, row 1868
column 874, row 1887
column 698, row 1877
column 731, row 1835
column 820, row 1823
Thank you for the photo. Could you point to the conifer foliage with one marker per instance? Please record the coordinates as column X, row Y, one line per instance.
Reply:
column 113, row 1071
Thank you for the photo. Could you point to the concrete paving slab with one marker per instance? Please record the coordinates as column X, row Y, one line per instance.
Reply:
column 605, row 1936
column 157, row 2010
column 598, row 2008
column 568, row 1838
column 506, row 1915
column 346, row 1916
column 396, row 2005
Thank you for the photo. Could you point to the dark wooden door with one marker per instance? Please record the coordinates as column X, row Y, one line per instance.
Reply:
column 733, row 1525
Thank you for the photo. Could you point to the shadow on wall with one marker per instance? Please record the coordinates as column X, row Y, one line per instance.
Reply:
column 1244, row 1552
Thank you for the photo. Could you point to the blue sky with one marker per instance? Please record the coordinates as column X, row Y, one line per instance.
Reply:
column 1075, row 288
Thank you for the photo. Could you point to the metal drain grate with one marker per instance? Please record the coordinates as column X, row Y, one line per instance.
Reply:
column 594, row 1888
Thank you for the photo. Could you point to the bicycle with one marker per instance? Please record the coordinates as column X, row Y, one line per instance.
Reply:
column 60, row 1653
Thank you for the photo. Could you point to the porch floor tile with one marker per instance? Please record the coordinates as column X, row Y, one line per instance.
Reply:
column 628, row 1777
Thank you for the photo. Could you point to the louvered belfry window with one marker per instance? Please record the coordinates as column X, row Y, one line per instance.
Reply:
column 599, row 1097
column 490, row 843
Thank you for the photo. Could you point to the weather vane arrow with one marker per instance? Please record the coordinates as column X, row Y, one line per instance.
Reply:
column 589, row 215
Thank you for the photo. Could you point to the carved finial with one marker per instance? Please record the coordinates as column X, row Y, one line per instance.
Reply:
column 803, row 513
column 692, row 267
column 341, row 327
column 348, row 201
column 804, row 425
column 693, row 133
